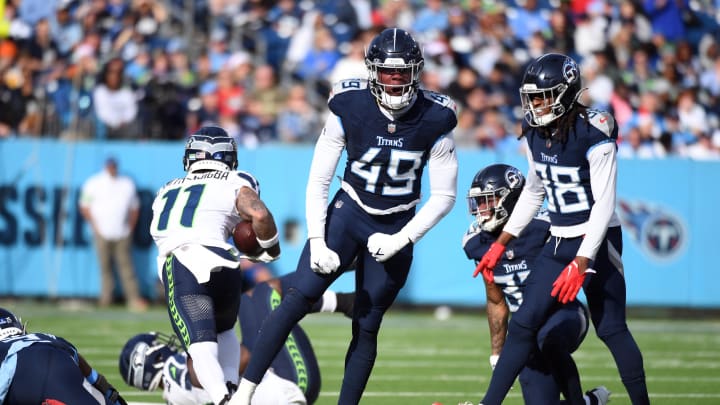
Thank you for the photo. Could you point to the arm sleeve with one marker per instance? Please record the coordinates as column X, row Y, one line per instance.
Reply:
column 443, row 168
column 328, row 150
column 529, row 202
column 603, row 182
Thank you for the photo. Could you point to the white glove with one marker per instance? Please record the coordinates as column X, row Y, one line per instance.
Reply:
column 322, row 259
column 383, row 246
column 493, row 360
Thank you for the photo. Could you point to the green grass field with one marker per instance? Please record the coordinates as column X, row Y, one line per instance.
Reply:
column 422, row 360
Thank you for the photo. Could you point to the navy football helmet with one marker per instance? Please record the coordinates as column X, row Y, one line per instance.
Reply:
column 493, row 194
column 210, row 148
column 550, row 86
column 10, row 325
column 394, row 50
column 143, row 357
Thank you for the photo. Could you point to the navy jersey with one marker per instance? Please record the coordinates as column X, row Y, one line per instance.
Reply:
column 11, row 346
column 516, row 263
column 386, row 158
column 564, row 167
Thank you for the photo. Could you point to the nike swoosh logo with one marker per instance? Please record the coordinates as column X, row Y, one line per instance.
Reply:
column 603, row 120
column 606, row 153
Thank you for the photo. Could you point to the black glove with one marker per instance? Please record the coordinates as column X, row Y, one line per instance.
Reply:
column 112, row 396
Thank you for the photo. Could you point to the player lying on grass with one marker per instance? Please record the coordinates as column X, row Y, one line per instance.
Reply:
column 153, row 360
column 492, row 196
column 40, row 368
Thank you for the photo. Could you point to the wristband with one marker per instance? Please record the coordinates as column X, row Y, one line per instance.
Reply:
column 270, row 242
column 93, row 377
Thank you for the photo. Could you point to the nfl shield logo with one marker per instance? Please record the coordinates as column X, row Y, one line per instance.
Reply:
column 510, row 254
column 391, row 128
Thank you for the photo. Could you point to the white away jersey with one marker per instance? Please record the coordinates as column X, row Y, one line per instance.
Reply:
column 198, row 209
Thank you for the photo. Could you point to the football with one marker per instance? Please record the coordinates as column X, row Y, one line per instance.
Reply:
column 245, row 238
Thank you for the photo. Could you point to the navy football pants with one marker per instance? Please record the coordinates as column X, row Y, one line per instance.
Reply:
column 605, row 293
column 376, row 285
column 559, row 336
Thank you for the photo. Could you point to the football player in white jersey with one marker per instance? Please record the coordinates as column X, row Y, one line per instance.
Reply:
column 193, row 217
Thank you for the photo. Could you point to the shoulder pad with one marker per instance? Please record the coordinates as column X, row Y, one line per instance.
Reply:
column 603, row 121
column 250, row 179
column 472, row 231
column 348, row 85
column 441, row 99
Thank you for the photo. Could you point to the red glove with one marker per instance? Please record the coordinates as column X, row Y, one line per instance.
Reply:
column 567, row 286
column 488, row 262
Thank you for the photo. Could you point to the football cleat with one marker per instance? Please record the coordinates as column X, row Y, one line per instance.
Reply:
column 599, row 395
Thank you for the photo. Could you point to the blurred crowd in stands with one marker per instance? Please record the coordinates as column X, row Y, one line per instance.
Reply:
column 263, row 69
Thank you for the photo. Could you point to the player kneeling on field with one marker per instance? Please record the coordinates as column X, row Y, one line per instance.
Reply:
column 550, row 370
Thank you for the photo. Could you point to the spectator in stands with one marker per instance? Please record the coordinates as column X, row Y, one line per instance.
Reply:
column 203, row 110
column 528, row 19
column 66, row 31
column 231, row 95
column 431, row 19
column 40, row 50
column 666, row 17
column 634, row 146
column 14, row 100
column 319, row 61
column 352, row 64
column 560, row 33
column 164, row 102
column 115, row 103
column 265, row 100
column 109, row 203
column 702, row 149
column 297, row 122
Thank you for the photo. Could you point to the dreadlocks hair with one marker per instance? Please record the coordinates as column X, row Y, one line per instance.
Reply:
column 567, row 122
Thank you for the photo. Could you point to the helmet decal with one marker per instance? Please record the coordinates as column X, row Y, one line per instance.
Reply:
column 513, row 177
column 570, row 70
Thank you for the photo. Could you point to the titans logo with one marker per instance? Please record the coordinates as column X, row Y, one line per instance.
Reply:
column 660, row 233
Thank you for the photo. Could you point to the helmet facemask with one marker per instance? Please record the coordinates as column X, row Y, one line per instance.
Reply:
column 548, row 109
column 394, row 95
column 488, row 208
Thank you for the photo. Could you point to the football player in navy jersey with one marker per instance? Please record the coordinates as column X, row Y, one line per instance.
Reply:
column 193, row 217
column 550, row 370
column 390, row 130
column 40, row 368
column 571, row 152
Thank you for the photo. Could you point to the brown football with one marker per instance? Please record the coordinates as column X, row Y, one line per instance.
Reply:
column 245, row 238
